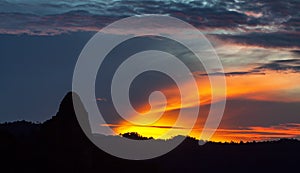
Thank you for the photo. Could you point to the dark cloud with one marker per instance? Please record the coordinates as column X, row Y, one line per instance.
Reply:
column 132, row 125
column 297, row 52
column 233, row 73
column 291, row 65
column 55, row 17
column 282, row 65
column 263, row 113
column 275, row 39
column 52, row 24
column 287, row 61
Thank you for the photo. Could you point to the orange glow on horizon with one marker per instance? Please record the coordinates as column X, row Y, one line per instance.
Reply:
column 273, row 86
column 254, row 133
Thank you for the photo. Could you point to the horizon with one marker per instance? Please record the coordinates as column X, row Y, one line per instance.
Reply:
column 137, row 136
column 236, row 141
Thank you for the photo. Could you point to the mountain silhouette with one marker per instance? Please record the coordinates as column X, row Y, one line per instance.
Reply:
column 64, row 128
column 60, row 145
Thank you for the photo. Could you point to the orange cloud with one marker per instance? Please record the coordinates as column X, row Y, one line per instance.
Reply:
column 253, row 14
column 271, row 86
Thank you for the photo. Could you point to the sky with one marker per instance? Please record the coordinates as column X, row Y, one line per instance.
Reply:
column 258, row 43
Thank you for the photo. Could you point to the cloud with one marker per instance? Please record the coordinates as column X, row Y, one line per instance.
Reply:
column 281, row 65
column 73, row 21
column 292, row 65
column 269, row 40
column 147, row 126
column 285, row 130
column 218, row 17
column 297, row 52
column 253, row 14
column 263, row 113
column 233, row 73
column 101, row 99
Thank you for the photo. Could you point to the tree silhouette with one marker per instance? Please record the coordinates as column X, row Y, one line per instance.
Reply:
column 134, row 136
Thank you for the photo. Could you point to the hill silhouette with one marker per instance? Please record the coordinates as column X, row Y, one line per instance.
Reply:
column 59, row 145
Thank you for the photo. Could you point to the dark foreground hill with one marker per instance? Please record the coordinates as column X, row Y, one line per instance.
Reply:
column 59, row 145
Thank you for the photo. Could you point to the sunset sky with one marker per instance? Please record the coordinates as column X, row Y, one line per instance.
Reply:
column 258, row 43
